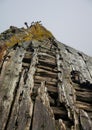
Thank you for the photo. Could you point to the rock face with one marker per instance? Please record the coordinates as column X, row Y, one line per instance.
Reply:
column 44, row 84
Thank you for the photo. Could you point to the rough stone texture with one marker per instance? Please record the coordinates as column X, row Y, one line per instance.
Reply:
column 45, row 85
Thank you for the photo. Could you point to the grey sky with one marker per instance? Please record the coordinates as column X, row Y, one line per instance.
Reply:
column 70, row 21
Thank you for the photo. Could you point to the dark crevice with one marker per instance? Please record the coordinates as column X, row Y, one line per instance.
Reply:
column 26, row 65
column 30, row 48
column 86, row 85
column 25, row 75
column 20, row 97
column 34, row 93
column 53, row 95
column 48, row 51
column 44, row 74
column 47, row 64
column 83, row 99
column 80, row 54
column 68, row 50
column 77, row 77
column 32, row 114
column 60, row 116
column 47, row 69
column 47, row 56
column 33, row 97
column 54, row 43
column 16, row 124
column 15, row 46
column 27, row 60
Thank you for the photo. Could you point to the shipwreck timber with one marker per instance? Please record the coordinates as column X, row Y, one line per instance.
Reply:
column 44, row 84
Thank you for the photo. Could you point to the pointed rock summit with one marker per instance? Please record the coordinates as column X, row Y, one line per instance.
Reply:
column 44, row 84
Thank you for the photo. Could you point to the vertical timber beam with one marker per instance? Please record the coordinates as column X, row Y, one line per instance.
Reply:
column 43, row 118
column 9, row 77
column 22, row 111
column 66, row 91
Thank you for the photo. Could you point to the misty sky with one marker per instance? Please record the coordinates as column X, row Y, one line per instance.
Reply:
column 70, row 21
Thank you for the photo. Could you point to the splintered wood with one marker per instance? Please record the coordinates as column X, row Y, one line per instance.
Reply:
column 45, row 86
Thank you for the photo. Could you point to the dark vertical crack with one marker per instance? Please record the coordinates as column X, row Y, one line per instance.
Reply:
column 30, row 128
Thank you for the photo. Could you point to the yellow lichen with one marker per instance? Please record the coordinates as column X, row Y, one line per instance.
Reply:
column 39, row 32
column 35, row 32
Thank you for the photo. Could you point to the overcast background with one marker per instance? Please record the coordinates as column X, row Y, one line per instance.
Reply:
column 70, row 21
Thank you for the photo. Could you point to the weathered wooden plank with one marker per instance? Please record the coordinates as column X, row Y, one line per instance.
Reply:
column 41, row 119
column 28, row 55
column 45, row 43
column 43, row 115
column 83, row 105
column 48, row 68
column 20, row 118
column 79, row 88
column 45, row 74
column 48, row 63
column 65, row 88
column 80, row 96
column 52, row 89
column 85, row 121
column 60, row 71
column 48, row 51
column 47, row 79
column 46, row 55
column 52, row 83
column 25, row 65
column 49, row 72
column 60, row 112
column 22, row 109
column 47, row 59
column 60, row 68
column 10, row 77
column 69, row 97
